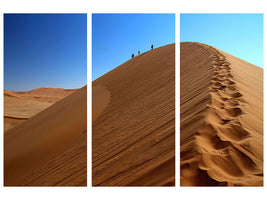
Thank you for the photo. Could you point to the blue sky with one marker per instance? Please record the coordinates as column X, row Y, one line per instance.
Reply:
column 116, row 36
column 45, row 50
column 238, row 34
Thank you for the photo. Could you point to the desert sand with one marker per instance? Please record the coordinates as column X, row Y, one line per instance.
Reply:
column 48, row 148
column 20, row 106
column 50, row 95
column 133, row 133
column 221, row 118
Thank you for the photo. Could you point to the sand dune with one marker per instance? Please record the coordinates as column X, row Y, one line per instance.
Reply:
column 11, row 94
column 133, row 133
column 50, row 147
column 20, row 106
column 50, row 95
column 221, row 118
column 11, row 122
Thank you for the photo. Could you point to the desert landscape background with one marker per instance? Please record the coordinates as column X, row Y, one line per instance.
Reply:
column 221, row 118
column 19, row 106
column 45, row 142
column 133, row 122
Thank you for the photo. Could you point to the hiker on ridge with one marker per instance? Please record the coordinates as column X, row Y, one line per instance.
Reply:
column 152, row 47
column 132, row 55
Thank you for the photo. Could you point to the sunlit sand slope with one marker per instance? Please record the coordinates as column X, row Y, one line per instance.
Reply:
column 133, row 133
column 221, row 118
column 50, row 147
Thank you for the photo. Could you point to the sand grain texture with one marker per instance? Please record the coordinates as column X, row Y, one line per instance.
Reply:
column 133, row 137
column 221, row 118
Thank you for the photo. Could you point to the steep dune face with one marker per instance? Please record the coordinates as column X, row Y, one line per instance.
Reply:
column 221, row 118
column 133, row 133
column 50, row 147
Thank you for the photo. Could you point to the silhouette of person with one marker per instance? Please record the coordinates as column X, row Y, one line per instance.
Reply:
column 138, row 52
column 132, row 55
column 152, row 47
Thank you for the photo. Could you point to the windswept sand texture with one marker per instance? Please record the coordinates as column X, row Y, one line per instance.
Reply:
column 221, row 118
column 133, row 134
column 49, row 148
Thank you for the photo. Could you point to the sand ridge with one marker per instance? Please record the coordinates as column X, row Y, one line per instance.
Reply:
column 133, row 139
column 222, row 151
column 11, row 94
column 48, row 95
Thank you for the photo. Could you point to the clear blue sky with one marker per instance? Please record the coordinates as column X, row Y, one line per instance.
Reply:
column 45, row 50
column 238, row 34
column 116, row 36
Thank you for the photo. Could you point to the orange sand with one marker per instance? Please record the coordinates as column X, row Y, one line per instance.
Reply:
column 50, row 147
column 101, row 98
column 133, row 133
column 20, row 106
column 221, row 118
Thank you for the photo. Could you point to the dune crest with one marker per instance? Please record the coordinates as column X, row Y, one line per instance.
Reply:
column 220, row 145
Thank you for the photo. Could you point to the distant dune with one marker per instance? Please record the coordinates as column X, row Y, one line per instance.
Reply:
column 50, row 147
column 133, row 133
column 50, row 95
column 19, row 106
column 11, row 94
column 221, row 118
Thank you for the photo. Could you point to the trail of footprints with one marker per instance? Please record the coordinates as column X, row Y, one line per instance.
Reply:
column 221, row 138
